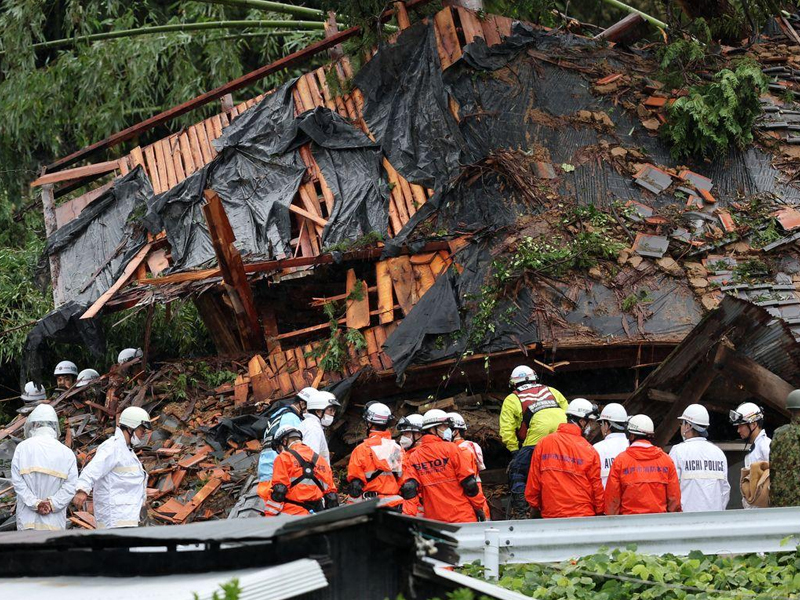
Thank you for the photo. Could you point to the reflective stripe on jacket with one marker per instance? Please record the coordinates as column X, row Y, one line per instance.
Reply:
column 304, row 490
column 439, row 470
column 117, row 481
column 643, row 479
column 43, row 469
column 564, row 479
column 378, row 463
column 543, row 423
column 703, row 472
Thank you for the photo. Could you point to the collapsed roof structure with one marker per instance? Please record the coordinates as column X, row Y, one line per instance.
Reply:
column 480, row 189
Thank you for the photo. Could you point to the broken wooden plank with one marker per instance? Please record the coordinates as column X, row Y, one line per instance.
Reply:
column 130, row 269
column 425, row 278
column 757, row 380
column 197, row 151
column 157, row 261
column 186, row 154
column 241, row 388
column 470, row 24
column 260, row 374
column 308, row 215
column 385, row 294
column 446, row 37
column 403, row 282
column 198, row 499
column 282, row 374
column 233, row 273
column 357, row 315
column 77, row 173
column 152, row 168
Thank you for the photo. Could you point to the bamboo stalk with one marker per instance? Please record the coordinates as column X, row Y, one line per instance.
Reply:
column 123, row 33
column 278, row 7
column 645, row 16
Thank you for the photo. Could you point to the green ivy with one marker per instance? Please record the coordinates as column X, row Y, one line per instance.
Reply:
column 628, row 575
column 717, row 116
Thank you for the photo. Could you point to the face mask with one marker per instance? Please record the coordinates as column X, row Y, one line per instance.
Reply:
column 326, row 420
column 405, row 442
column 136, row 441
column 447, row 435
column 587, row 431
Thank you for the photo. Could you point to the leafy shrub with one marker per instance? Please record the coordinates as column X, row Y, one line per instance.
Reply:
column 625, row 575
column 718, row 115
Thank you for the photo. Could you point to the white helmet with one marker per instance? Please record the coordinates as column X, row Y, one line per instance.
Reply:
column 42, row 421
column 321, row 400
column 377, row 413
column 134, row 417
column 307, row 393
column 86, row 376
column 435, row 417
column 521, row 375
column 582, row 408
column 66, row 367
column 746, row 413
column 410, row 423
column 641, row 425
column 457, row 421
column 287, row 431
column 696, row 415
column 129, row 354
column 33, row 393
column 614, row 413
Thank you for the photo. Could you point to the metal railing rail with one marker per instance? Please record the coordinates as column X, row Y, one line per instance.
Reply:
column 553, row 540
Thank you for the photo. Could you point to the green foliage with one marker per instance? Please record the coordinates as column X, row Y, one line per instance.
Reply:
column 334, row 353
column 751, row 271
column 633, row 300
column 365, row 241
column 627, row 575
column 462, row 594
column 716, row 116
column 214, row 379
column 58, row 101
column 230, row 591
column 679, row 60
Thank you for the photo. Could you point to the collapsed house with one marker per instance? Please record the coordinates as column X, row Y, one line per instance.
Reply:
column 481, row 193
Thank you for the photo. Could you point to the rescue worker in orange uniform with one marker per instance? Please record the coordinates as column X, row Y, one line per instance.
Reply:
column 643, row 478
column 302, row 481
column 410, row 430
column 471, row 451
column 376, row 464
column 442, row 478
column 564, row 480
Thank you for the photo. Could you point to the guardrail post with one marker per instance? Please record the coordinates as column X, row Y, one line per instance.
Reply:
column 491, row 553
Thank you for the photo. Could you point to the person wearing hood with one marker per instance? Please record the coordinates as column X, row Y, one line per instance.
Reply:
column 564, row 480
column 643, row 479
column 320, row 412
column 44, row 473
column 702, row 467
column 115, row 474
column 281, row 414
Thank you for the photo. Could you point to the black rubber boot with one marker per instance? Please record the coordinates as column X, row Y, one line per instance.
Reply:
column 519, row 507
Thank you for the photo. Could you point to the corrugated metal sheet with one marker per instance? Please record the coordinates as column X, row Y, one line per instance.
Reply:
column 211, row 531
column 275, row 583
column 552, row 540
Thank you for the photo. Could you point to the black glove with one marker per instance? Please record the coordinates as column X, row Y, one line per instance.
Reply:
column 331, row 500
column 409, row 489
column 481, row 515
column 356, row 488
column 279, row 492
column 470, row 485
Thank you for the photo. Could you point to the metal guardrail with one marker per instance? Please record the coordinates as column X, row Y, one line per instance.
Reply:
column 553, row 540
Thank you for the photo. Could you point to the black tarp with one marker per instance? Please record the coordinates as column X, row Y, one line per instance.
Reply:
column 62, row 325
column 94, row 248
column 257, row 175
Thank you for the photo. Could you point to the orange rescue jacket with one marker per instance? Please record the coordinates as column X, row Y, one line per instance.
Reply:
column 439, row 469
column 643, row 479
column 564, row 478
column 305, row 492
column 378, row 463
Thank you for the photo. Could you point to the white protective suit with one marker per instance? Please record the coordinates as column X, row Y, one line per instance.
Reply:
column 614, row 444
column 760, row 451
column 703, row 473
column 43, row 469
column 119, row 483
column 314, row 435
